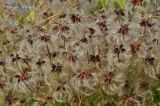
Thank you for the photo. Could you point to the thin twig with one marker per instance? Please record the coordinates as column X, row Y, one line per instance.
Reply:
column 49, row 56
column 24, row 81
column 59, row 13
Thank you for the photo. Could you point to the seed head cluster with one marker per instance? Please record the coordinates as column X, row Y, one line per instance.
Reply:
column 51, row 55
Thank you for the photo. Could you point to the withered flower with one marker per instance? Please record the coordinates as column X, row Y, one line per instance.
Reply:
column 24, row 76
column 60, row 88
column 2, row 62
column 123, row 29
column 103, row 17
column 119, row 12
column 72, row 58
column 137, row 2
column 61, row 27
column 84, row 40
column 134, row 47
column 29, row 39
column 57, row 68
column 2, row 85
column 6, row 42
column 91, row 32
column 144, row 85
column 64, row 28
column 129, row 97
column 40, row 62
column 75, row 18
column 45, row 38
column 10, row 98
column 94, row 58
column 26, row 59
column 14, row 30
column 126, row 84
column 102, row 25
column 109, row 78
column 119, row 50
column 150, row 60
column 15, row 57
column 53, row 54
column 145, row 23
column 84, row 75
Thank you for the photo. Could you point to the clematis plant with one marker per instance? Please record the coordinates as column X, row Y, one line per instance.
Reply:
column 79, row 52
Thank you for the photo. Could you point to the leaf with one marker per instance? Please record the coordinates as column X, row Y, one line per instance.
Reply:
column 31, row 102
column 22, row 20
column 62, row 104
column 144, row 4
column 99, row 5
column 25, row 19
column 104, row 3
column 122, row 3
column 116, row 5
column 31, row 16
column 156, row 97
column 95, row 99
